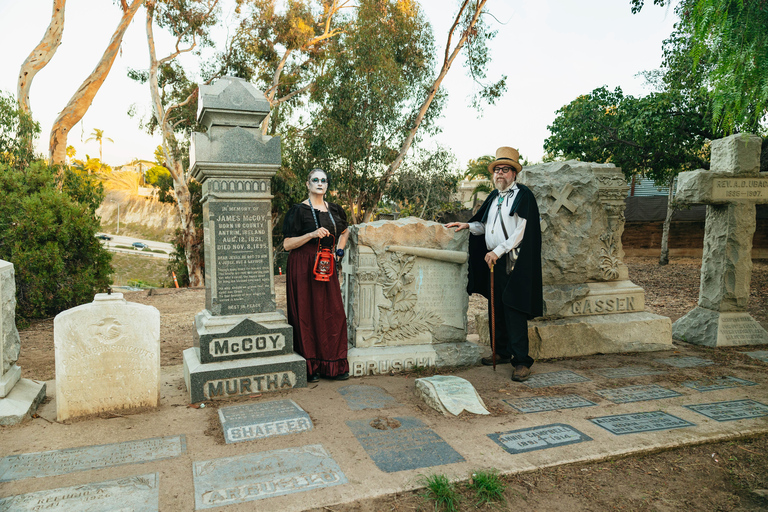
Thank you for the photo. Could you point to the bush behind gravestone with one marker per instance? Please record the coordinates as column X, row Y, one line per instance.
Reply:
column 49, row 236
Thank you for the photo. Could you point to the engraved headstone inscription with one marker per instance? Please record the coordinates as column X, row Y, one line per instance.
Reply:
column 636, row 393
column 634, row 423
column 400, row 444
column 258, row 421
column 261, row 475
column 717, row 383
column 627, row 371
column 138, row 493
column 59, row 462
column 686, row 362
column 450, row 395
column 359, row 397
column 760, row 355
column 731, row 410
column 544, row 380
column 548, row 403
column 538, row 438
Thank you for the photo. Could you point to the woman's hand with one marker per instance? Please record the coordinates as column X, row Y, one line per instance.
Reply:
column 320, row 233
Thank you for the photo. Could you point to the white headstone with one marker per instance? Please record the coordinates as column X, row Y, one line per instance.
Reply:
column 449, row 394
column 9, row 336
column 107, row 357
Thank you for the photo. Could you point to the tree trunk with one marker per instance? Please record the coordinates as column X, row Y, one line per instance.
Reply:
column 79, row 103
column 664, row 257
column 41, row 55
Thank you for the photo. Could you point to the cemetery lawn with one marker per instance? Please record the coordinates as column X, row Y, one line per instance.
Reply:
column 723, row 476
column 147, row 270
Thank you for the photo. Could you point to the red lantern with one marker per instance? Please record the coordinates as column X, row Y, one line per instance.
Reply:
column 324, row 262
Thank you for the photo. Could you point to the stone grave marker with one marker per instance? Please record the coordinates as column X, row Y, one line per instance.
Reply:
column 730, row 189
column 60, row 462
column 266, row 419
column 718, row 383
column 731, row 410
column 138, row 493
column 543, row 380
column 262, row 475
column 760, row 355
column 538, row 438
column 636, row 393
column 686, row 362
column 400, row 444
column 627, row 371
column 107, row 357
column 359, row 397
column 450, row 395
column 634, row 423
column 548, row 403
column 243, row 344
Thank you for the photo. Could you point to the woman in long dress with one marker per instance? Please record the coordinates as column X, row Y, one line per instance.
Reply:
column 315, row 308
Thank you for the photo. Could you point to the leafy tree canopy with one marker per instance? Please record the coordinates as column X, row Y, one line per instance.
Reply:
column 17, row 133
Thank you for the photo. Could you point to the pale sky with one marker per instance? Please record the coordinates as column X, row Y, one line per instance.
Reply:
column 551, row 50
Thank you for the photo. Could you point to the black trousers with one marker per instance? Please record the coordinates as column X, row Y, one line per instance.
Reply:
column 511, row 324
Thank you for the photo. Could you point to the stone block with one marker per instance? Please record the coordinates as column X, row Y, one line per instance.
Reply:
column 614, row 297
column 449, row 394
column 250, row 422
column 10, row 343
column 737, row 154
column 21, row 402
column 710, row 328
column 708, row 187
column 231, row 101
column 9, row 379
column 383, row 360
column 107, row 357
column 237, row 337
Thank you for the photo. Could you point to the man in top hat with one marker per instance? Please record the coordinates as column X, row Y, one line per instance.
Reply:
column 505, row 234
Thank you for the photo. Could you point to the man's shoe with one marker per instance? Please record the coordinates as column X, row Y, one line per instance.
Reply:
column 488, row 361
column 313, row 378
column 521, row 373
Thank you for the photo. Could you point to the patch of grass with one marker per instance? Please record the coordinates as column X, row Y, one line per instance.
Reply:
column 488, row 486
column 150, row 272
column 441, row 491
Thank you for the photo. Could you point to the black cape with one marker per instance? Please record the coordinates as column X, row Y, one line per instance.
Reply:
column 524, row 289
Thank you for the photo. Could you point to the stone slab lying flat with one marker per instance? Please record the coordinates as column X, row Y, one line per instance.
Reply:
column 686, row 362
column 761, row 355
column 266, row 419
column 543, row 380
column 548, row 403
column 59, row 462
column 627, row 371
column 138, row 493
column 636, row 393
column 538, row 438
column 718, row 383
column 731, row 410
column 450, row 395
column 359, row 397
column 400, row 444
column 21, row 402
column 263, row 475
column 620, row 424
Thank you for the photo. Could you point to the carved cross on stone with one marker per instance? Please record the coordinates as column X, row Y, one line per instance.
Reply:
column 561, row 199
column 730, row 190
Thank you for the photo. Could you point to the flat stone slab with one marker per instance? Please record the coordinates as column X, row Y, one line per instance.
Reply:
column 400, row 444
column 538, row 438
column 761, row 355
column 138, row 493
column 686, row 362
column 731, row 410
column 620, row 424
column 60, row 462
column 450, row 394
column 628, row 371
column 263, row 475
column 359, row 397
column 718, row 383
column 258, row 421
column 636, row 393
column 543, row 380
column 21, row 402
column 548, row 403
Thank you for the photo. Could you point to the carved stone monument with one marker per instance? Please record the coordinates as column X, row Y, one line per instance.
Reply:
column 730, row 189
column 405, row 297
column 19, row 397
column 107, row 357
column 243, row 345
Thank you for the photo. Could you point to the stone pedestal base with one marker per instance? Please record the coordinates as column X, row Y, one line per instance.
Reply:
column 21, row 402
column 599, row 334
column 9, row 379
column 228, row 337
column 382, row 360
column 703, row 326
column 242, row 377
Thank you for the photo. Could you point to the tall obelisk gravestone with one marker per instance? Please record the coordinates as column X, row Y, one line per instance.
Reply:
column 243, row 345
column 730, row 190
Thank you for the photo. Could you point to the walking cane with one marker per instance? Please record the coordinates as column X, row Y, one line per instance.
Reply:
column 493, row 323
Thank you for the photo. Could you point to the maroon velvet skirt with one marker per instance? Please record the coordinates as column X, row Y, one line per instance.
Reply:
column 316, row 313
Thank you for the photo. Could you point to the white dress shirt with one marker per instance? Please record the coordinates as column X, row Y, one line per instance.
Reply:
column 499, row 212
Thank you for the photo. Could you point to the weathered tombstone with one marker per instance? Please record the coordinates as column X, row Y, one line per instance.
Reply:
column 450, row 394
column 405, row 297
column 19, row 397
column 107, row 357
column 243, row 345
column 730, row 189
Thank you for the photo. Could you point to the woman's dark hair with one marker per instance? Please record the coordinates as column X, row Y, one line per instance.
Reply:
column 317, row 169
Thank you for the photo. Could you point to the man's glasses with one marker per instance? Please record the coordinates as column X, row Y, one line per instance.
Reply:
column 502, row 170
column 321, row 180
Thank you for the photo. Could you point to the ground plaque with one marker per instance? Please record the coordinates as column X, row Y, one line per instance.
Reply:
column 538, row 438
column 400, row 444
column 59, row 462
column 620, row 424
column 548, row 403
column 361, row 397
column 761, row 355
column 686, row 362
column 717, row 383
column 636, row 393
column 138, row 493
column 627, row 371
column 731, row 410
column 257, row 476
column 543, row 380
column 258, row 421
column 450, row 394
